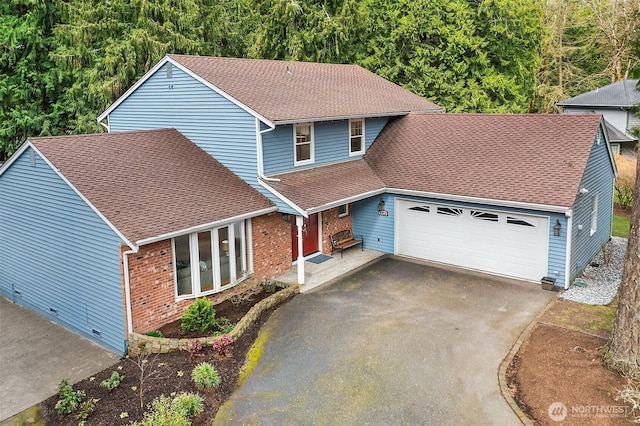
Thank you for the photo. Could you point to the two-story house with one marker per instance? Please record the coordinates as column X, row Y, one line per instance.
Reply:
column 615, row 102
column 217, row 173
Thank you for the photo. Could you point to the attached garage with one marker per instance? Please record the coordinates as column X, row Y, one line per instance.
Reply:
column 502, row 243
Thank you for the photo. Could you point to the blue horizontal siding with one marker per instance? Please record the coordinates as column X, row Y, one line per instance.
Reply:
column 378, row 231
column 598, row 178
column 331, row 144
column 57, row 253
column 220, row 127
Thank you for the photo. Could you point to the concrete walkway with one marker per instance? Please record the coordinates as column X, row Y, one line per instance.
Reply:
column 35, row 354
column 396, row 343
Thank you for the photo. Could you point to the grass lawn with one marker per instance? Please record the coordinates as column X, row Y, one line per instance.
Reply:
column 620, row 226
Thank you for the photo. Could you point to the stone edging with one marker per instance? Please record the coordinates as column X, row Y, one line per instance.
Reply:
column 143, row 344
column 502, row 370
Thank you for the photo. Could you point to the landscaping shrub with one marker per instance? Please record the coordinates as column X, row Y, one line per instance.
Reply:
column 200, row 316
column 204, row 375
column 190, row 404
column 625, row 181
column 268, row 286
column 162, row 413
column 154, row 333
column 112, row 382
column 68, row 399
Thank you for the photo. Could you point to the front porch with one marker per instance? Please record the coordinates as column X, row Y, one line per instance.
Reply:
column 317, row 274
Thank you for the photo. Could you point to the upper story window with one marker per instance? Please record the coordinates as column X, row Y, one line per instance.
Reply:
column 303, row 141
column 356, row 137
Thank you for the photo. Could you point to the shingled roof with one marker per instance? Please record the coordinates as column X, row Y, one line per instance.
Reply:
column 317, row 188
column 150, row 183
column 529, row 158
column 286, row 91
column 620, row 94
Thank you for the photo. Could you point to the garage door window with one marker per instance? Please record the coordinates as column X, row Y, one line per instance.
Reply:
column 424, row 209
column 489, row 217
column 516, row 221
column 449, row 211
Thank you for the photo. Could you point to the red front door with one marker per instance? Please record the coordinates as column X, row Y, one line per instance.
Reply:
column 309, row 235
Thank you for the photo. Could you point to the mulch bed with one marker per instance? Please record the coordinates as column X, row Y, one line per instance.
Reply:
column 168, row 374
column 559, row 365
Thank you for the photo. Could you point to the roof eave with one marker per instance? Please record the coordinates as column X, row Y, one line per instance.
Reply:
column 342, row 201
column 206, row 226
column 356, row 116
column 479, row 200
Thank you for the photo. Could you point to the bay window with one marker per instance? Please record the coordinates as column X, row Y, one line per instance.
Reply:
column 210, row 261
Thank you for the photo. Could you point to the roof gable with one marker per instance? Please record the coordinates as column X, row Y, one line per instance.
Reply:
column 150, row 183
column 620, row 94
column 534, row 159
column 286, row 91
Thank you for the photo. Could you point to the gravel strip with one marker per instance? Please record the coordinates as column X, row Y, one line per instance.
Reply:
column 601, row 282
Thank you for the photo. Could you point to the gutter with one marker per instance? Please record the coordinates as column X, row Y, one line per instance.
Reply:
column 478, row 200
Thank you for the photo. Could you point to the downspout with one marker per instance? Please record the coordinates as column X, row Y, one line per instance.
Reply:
column 261, row 176
column 567, row 266
column 259, row 132
column 127, row 287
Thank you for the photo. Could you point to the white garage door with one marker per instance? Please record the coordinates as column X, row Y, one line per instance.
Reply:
column 501, row 243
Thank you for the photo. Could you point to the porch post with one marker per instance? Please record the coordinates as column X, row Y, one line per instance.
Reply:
column 299, row 222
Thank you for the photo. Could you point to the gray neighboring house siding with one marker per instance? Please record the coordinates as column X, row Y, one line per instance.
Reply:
column 598, row 179
column 59, row 258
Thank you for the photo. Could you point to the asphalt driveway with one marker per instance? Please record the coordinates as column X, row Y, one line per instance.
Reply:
column 396, row 343
column 35, row 354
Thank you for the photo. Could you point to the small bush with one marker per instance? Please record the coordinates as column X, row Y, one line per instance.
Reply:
column 112, row 382
column 194, row 349
column 222, row 346
column 68, row 399
column 154, row 333
column 204, row 375
column 86, row 408
column 224, row 325
column 162, row 413
column 268, row 286
column 189, row 404
column 200, row 316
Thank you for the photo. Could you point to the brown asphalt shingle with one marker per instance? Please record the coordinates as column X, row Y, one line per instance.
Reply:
column 149, row 183
column 318, row 186
column 295, row 91
column 525, row 158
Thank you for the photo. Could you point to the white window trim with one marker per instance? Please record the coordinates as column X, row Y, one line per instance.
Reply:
column 346, row 211
column 352, row 153
column 215, row 250
column 594, row 214
column 311, row 159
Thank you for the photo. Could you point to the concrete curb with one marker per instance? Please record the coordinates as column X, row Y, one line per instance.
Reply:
column 502, row 369
column 143, row 344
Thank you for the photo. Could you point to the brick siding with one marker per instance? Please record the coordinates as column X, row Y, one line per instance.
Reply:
column 331, row 224
column 153, row 300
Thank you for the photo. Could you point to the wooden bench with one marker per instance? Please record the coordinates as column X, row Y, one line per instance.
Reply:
column 344, row 239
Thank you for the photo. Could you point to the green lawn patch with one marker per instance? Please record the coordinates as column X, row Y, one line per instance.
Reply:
column 621, row 226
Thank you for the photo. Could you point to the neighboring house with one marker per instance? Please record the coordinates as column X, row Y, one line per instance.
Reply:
column 113, row 233
column 616, row 103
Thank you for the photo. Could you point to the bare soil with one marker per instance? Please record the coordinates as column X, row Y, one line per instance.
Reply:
column 168, row 374
column 558, row 364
